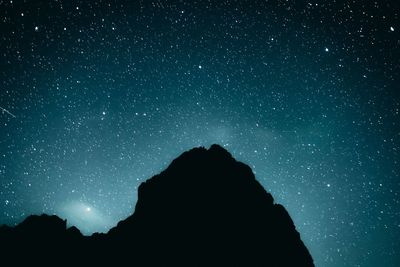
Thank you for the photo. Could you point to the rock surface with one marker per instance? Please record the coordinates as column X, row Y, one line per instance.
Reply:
column 205, row 209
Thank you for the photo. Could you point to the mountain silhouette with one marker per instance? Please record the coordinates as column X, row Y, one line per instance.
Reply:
column 205, row 209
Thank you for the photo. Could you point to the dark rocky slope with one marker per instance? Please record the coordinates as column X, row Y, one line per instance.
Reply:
column 205, row 209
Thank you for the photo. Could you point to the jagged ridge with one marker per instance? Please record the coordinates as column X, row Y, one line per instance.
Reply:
column 206, row 208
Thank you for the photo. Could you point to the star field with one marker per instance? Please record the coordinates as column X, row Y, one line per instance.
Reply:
column 97, row 96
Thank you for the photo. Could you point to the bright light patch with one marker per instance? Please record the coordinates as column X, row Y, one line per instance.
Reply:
column 86, row 218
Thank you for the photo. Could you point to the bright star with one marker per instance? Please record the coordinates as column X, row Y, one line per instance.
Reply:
column 87, row 218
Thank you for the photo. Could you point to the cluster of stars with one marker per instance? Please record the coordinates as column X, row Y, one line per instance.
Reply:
column 97, row 96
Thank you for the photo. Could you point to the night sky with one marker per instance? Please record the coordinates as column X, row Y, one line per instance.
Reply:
column 97, row 96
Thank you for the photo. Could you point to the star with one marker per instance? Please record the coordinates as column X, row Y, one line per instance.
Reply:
column 94, row 100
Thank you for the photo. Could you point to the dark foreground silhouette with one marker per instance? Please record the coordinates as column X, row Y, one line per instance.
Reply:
column 205, row 209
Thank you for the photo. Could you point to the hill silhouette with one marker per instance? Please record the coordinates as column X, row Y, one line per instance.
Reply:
column 205, row 209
